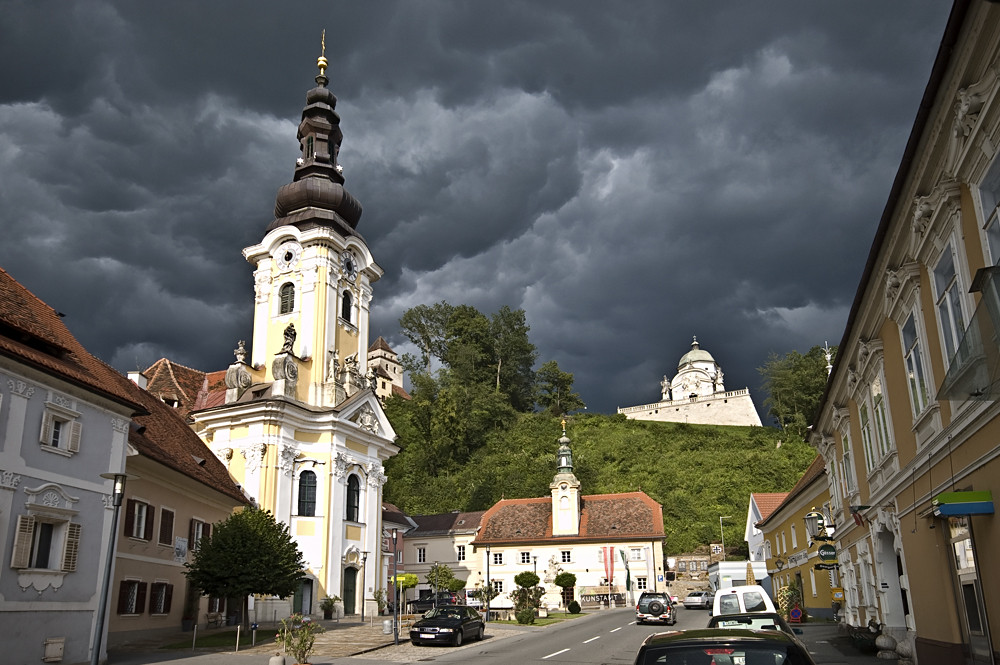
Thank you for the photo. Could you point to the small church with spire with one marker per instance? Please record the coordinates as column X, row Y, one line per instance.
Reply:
column 696, row 394
column 613, row 543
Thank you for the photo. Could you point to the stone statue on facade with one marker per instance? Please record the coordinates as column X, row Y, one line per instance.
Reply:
column 289, row 339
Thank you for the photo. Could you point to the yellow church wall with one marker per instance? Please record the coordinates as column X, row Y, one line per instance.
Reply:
column 312, row 437
column 352, row 532
column 238, row 432
column 356, row 447
column 305, row 528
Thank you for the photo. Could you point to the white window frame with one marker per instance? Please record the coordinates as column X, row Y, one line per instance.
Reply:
column 61, row 430
column 460, row 553
column 421, row 555
column 635, row 554
column 565, row 556
column 847, row 462
column 497, row 586
column 160, row 597
column 950, row 296
column 914, row 365
column 641, row 583
column 497, row 558
column 525, row 557
column 795, row 540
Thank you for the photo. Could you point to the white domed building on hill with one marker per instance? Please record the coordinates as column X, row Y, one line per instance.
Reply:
column 697, row 395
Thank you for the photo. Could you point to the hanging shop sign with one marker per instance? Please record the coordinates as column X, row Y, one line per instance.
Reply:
column 827, row 552
column 825, row 566
column 947, row 504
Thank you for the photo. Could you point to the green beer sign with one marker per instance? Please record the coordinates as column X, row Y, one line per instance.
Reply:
column 827, row 552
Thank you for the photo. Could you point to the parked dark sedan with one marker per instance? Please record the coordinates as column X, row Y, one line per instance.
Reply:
column 452, row 624
column 718, row 646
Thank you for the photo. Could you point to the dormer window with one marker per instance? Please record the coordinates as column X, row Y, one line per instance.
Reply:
column 287, row 296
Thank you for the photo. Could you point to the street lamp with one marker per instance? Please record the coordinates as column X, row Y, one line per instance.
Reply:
column 116, row 500
column 815, row 525
column 364, row 558
column 534, row 560
column 723, row 533
column 489, row 585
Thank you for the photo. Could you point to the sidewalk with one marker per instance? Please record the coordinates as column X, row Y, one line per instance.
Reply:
column 829, row 647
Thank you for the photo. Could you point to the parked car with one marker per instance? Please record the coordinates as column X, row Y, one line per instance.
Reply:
column 715, row 646
column 754, row 621
column 699, row 600
column 421, row 605
column 449, row 624
column 655, row 607
column 742, row 599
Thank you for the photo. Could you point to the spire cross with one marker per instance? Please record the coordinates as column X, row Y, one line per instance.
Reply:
column 321, row 61
column 564, row 426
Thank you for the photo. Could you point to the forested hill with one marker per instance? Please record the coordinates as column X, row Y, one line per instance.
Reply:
column 697, row 472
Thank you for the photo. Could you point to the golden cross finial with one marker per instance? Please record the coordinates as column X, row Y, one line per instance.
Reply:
column 321, row 61
column 564, row 426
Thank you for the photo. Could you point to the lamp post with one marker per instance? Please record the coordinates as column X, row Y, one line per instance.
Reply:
column 364, row 559
column 116, row 499
column 723, row 533
column 395, row 590
column 534, row 560
column 815, row 526
column 489, row 585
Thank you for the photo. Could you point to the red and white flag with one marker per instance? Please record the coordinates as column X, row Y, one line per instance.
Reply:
column 609, row 563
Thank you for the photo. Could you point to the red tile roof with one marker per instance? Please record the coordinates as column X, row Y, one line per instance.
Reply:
column 604, row 517
column 768, row 501
column 815, row 470
column 380, row 345
column 33, row 333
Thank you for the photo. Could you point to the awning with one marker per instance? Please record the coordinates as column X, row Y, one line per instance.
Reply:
column 963, row 503
column 974, row 372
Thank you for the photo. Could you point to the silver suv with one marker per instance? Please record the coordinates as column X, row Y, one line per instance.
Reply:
column 655, row 608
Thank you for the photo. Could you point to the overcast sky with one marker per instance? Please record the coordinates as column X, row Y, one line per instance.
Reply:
column 629, row 173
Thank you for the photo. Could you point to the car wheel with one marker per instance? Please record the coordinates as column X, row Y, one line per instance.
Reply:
column 458, row 638
column 482, row 633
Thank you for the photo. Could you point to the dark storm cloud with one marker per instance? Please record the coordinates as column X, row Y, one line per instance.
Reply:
column 631, row 174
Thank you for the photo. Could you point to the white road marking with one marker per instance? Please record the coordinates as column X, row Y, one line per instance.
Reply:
column 592, row 639
column 619, row 628
column 555, row 654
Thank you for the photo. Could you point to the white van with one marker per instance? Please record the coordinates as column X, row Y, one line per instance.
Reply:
column 742, row 599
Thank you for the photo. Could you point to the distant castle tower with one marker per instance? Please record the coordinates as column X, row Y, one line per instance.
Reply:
column 697, row 395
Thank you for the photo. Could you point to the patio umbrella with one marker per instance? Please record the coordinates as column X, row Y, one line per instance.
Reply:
column 750, row 577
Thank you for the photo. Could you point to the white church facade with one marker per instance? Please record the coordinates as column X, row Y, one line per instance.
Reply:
column 697, row 395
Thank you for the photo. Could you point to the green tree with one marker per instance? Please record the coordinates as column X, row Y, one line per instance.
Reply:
column 513, row 357
column 425, row 326
column 441, row 577
column 795, row 384
column 554, row 390
column 527, row 595
column 247, row 553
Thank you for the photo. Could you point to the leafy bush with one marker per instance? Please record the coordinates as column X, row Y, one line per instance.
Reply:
column 573, row 607
column 297, row 636
column 526, row 616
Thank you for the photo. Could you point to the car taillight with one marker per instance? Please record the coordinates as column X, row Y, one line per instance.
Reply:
column 719, row 652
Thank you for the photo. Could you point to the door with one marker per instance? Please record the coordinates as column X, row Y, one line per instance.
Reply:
column 970, row 600
column 350, row 589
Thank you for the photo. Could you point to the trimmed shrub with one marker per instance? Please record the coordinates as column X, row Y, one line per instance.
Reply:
column 526, row 616
column 573, row 607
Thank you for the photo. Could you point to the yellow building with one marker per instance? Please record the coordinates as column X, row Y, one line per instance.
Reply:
column 298, row 423
column 793, row 555
column 910, row 422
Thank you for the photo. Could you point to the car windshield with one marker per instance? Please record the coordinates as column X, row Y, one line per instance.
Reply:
column 722, row 655
column 443, row 613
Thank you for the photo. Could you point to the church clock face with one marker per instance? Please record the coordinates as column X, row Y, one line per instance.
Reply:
column 287, row 255
column 348, row 265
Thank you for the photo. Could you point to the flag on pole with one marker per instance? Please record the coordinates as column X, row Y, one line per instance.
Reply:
column 628, row 573
column 609, row 563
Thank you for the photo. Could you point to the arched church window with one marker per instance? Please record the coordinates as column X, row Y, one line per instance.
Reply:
column 346, row 306
column 287, row 295
column 353, row 498
column 307, row 494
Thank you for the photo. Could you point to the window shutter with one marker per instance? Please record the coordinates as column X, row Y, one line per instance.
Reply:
column 123, row 596
column 206, row 530
column 22, row 542
column 140, row 598
column 166, row 527
column 46, row 435
column 167, row 595
column 71, row 548
column 76, row 429
column 148, row 532
column 191, row 543
column 129, row 517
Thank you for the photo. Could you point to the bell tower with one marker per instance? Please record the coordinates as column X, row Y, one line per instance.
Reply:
column 565, row 492
column 313, row 272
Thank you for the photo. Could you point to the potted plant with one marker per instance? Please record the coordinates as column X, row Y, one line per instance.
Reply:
column 328, row 604
column 379, row 596
column 297, row 637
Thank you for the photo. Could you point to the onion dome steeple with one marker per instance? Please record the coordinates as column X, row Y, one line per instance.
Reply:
column 316, row 195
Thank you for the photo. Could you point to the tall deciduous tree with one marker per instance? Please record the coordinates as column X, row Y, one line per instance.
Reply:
column 795, row 385
column 513, row 357
column 425, row 326
column 554, row 390
column 248, row 553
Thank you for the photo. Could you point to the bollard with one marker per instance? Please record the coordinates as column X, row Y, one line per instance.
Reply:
column 253, row 636
column 238, row 626
column 387, row 626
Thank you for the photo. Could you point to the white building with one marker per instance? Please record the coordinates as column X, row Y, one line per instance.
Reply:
column 697, row 395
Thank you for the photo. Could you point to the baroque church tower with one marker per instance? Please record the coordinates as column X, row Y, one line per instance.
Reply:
column 299, row 424
column 565, row 490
